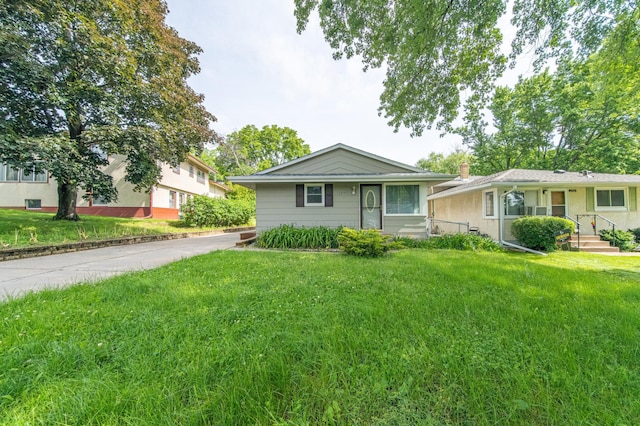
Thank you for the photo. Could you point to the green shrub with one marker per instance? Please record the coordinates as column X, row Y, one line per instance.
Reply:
column 457, row 241
column 636, row 234
column 624, row 240
column 291, row 237
column 365, row 243
column 538, row 232
column 205, row 211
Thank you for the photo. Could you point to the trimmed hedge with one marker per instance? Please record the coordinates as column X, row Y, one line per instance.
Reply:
column 205, row 211
column 538, row 232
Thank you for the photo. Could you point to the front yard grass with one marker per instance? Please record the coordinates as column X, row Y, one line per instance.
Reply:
column 20, row 228
column 416, row 337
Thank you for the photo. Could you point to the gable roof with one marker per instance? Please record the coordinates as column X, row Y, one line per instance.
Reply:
column 340, row 163
column 336, row 147
column 522, row 177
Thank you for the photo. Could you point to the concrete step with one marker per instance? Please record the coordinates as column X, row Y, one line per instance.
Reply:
column 609, row 249
column 592, row 244
column 574, row 237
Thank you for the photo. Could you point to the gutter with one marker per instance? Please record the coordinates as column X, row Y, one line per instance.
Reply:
column 501, row 214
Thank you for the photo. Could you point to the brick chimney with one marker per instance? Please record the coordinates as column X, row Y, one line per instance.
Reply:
column 464, row 171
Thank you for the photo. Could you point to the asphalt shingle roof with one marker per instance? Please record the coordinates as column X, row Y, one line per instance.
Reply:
column 515, row 176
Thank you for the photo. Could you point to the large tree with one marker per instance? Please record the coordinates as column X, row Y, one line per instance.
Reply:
column 434, row 50
column 83, row 78
column 586, row 115
column 450, row 164
column 250, row 149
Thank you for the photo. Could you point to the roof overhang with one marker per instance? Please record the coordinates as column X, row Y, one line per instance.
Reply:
column 251, row 180
column 519, row 184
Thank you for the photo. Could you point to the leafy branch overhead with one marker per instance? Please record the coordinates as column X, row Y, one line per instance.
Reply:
column 435, row 50
column 250, row 149
column 85, row 79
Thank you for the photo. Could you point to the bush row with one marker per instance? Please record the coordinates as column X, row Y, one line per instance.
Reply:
column 365, row 243
column 204, row 211
column 454, row 242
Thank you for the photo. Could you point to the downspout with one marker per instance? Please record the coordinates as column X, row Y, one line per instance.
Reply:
column 501, row 215
column 150, row 215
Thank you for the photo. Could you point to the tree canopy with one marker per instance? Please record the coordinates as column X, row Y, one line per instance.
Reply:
column 450, row 164
column 435, row 50
column 85, row 78
column 250, row 149
column 585, row 115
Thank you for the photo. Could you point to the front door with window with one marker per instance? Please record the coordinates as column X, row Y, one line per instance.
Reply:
column 558, row 203
column 371, row 206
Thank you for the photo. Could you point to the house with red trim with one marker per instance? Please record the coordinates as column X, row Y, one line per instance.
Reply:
column 23, row 189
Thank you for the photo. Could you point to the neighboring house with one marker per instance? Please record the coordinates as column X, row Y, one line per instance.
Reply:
column 22, row 189
column 343, row 186
column 592, row 196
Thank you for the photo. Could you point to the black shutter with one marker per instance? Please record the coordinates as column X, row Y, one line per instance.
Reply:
column 328, row 195
column 299, row 195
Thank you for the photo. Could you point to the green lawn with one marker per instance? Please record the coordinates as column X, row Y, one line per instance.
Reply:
column 416, row 337
column 19, row 228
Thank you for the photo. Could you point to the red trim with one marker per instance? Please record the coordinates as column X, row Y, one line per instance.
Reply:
column 164, row 213
column 102, row 211
column 114, row 211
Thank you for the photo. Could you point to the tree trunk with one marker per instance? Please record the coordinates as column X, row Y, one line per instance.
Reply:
column 67, row 195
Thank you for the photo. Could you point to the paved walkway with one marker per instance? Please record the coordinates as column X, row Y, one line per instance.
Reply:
column 23, row 275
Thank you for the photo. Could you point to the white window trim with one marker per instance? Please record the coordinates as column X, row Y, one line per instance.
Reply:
column 524, row 191
column 306, row 203
column 201, row 177
column 32, row 208
column 611, row 208
column 4, row 168
column 422, row 190
column 496, row 202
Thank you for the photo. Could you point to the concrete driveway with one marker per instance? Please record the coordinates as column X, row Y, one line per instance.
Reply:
column 23, row 275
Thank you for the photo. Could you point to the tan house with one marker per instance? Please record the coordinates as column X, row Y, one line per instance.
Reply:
column 584, row 197
column 21, row 189
column 343, row 186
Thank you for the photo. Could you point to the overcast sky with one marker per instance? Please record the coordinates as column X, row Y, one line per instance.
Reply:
column 257, row 70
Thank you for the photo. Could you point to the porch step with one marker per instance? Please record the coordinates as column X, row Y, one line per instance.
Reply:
column 592, row 244
column 246, row 238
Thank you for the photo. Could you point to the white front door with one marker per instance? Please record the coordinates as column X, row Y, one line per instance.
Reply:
column 370, row 207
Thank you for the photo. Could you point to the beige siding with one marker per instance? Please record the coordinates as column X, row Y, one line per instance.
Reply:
column 182, row 182
column 468, row 208
column 623, row 219
column 127, row 197
column 14, row 194
column 464, row 208
column 340, row 161
column 276, row 205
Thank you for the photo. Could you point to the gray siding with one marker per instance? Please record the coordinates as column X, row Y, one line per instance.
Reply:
column 413, row 226
column 276, row 205
column 340, row 161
